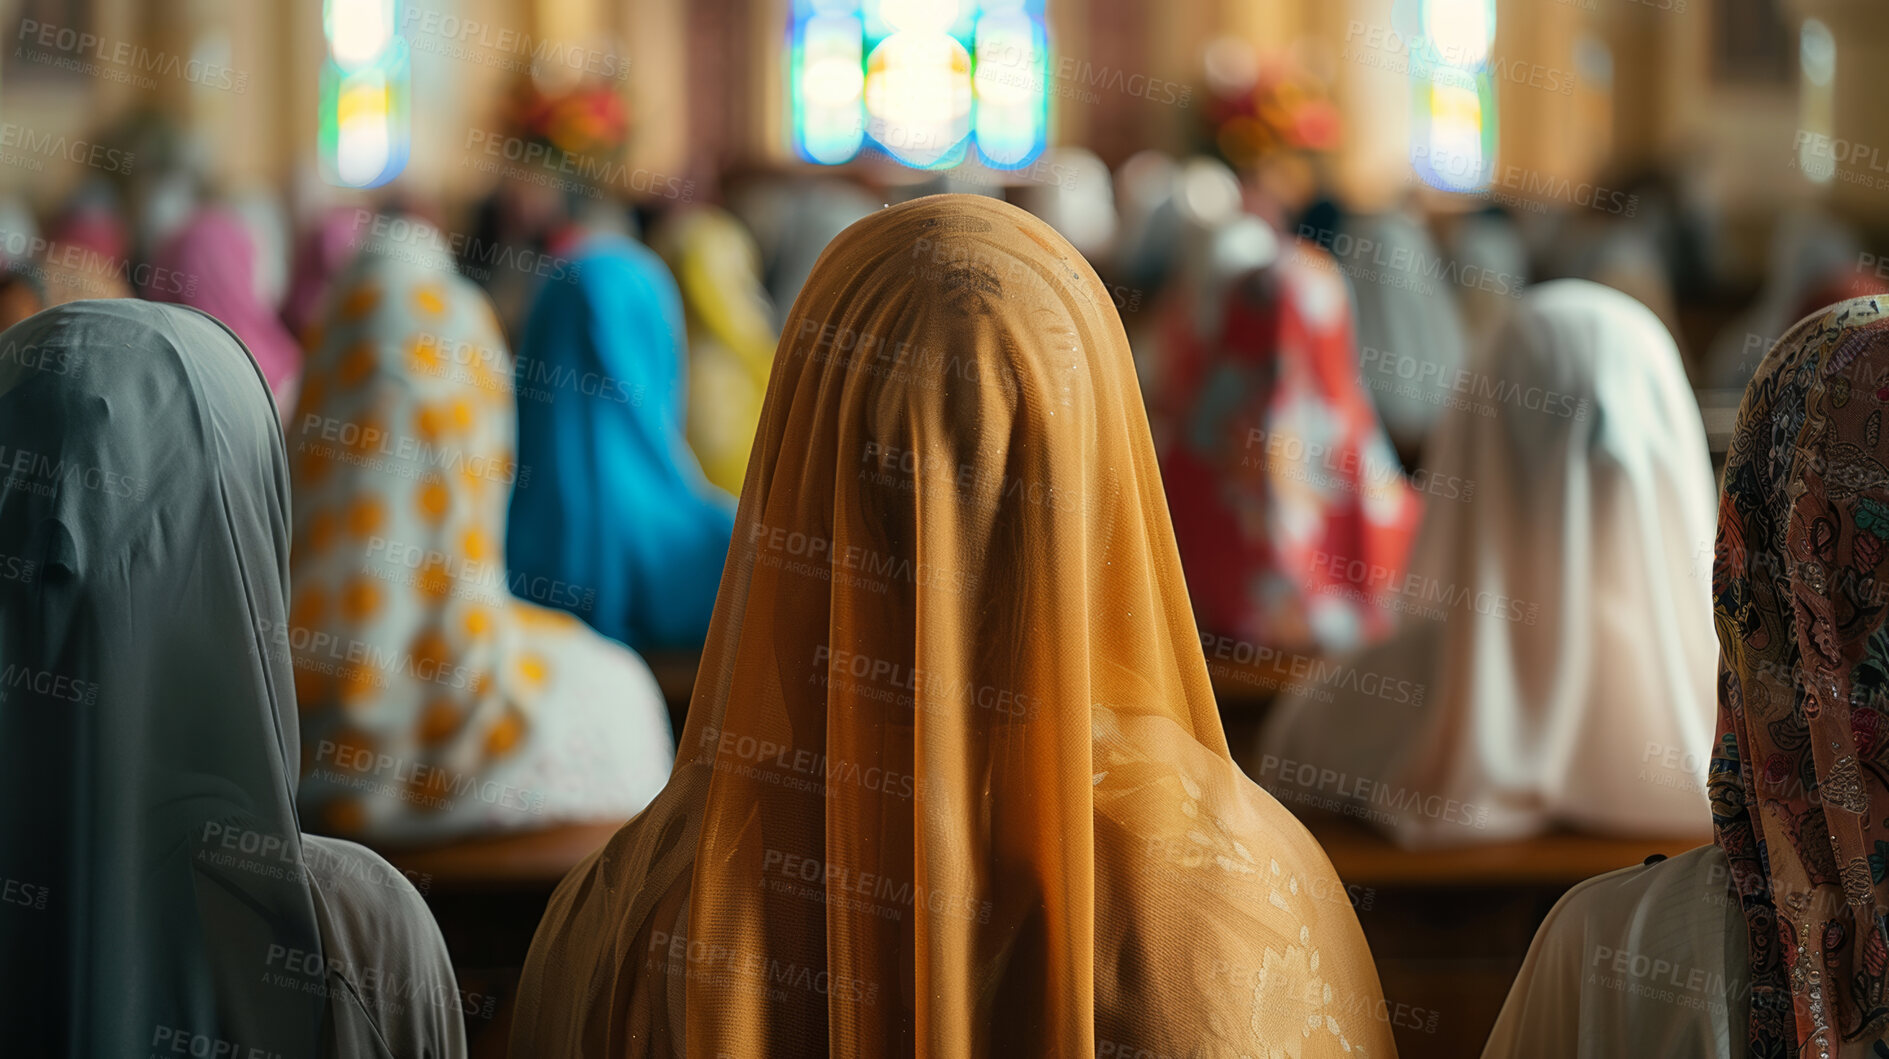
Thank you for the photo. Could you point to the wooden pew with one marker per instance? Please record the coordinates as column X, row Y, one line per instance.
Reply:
column 1448, row 929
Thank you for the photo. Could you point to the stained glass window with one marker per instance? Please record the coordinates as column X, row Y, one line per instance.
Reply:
column 1452, row 89
column 364, row 92
column 924, row 81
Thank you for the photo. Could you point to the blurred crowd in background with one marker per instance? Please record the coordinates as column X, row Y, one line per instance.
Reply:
column 1441, row 385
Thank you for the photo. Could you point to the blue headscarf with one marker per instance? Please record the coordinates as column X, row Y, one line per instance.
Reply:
column 616, row 502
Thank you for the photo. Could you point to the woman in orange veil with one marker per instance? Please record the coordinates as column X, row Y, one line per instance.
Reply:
column 953, row 781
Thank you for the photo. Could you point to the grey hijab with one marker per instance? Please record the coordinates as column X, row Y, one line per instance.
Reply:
column 1487, row 244
column 1410, row 337
column 160, row 895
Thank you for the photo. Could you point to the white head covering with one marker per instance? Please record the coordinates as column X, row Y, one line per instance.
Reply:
column 163, row 203
column 1556, row 659
column 19, row 231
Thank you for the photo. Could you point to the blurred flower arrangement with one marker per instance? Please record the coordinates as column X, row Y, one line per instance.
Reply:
column 589, row 119
column 1261, row 109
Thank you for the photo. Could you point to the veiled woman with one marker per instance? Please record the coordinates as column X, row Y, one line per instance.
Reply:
column 1783, row 916
column 1279, row 474
column 442, row 694
column 731, row 334
column 953, row 782
column 159, row 895
column 1553, row 621
column 619, row 502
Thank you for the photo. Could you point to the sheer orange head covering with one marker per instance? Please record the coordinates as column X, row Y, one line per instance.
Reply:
column 953, row 781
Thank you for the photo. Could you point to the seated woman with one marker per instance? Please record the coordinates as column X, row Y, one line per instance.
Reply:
column 1277, row 459
column 731, row 334
column 1797, row 780
column 953, row 781
column 618, row 501
column 159, row 895
column 441, row 702
column 1554, row 660
column 210, row 264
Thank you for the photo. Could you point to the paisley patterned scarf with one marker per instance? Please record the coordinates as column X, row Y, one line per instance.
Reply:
column 1801, row 590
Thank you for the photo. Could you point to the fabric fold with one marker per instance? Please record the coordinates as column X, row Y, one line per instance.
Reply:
column 619, row 501
column 1553, row 661
column 953, row 780
column 443, row 695
column 160, row 895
